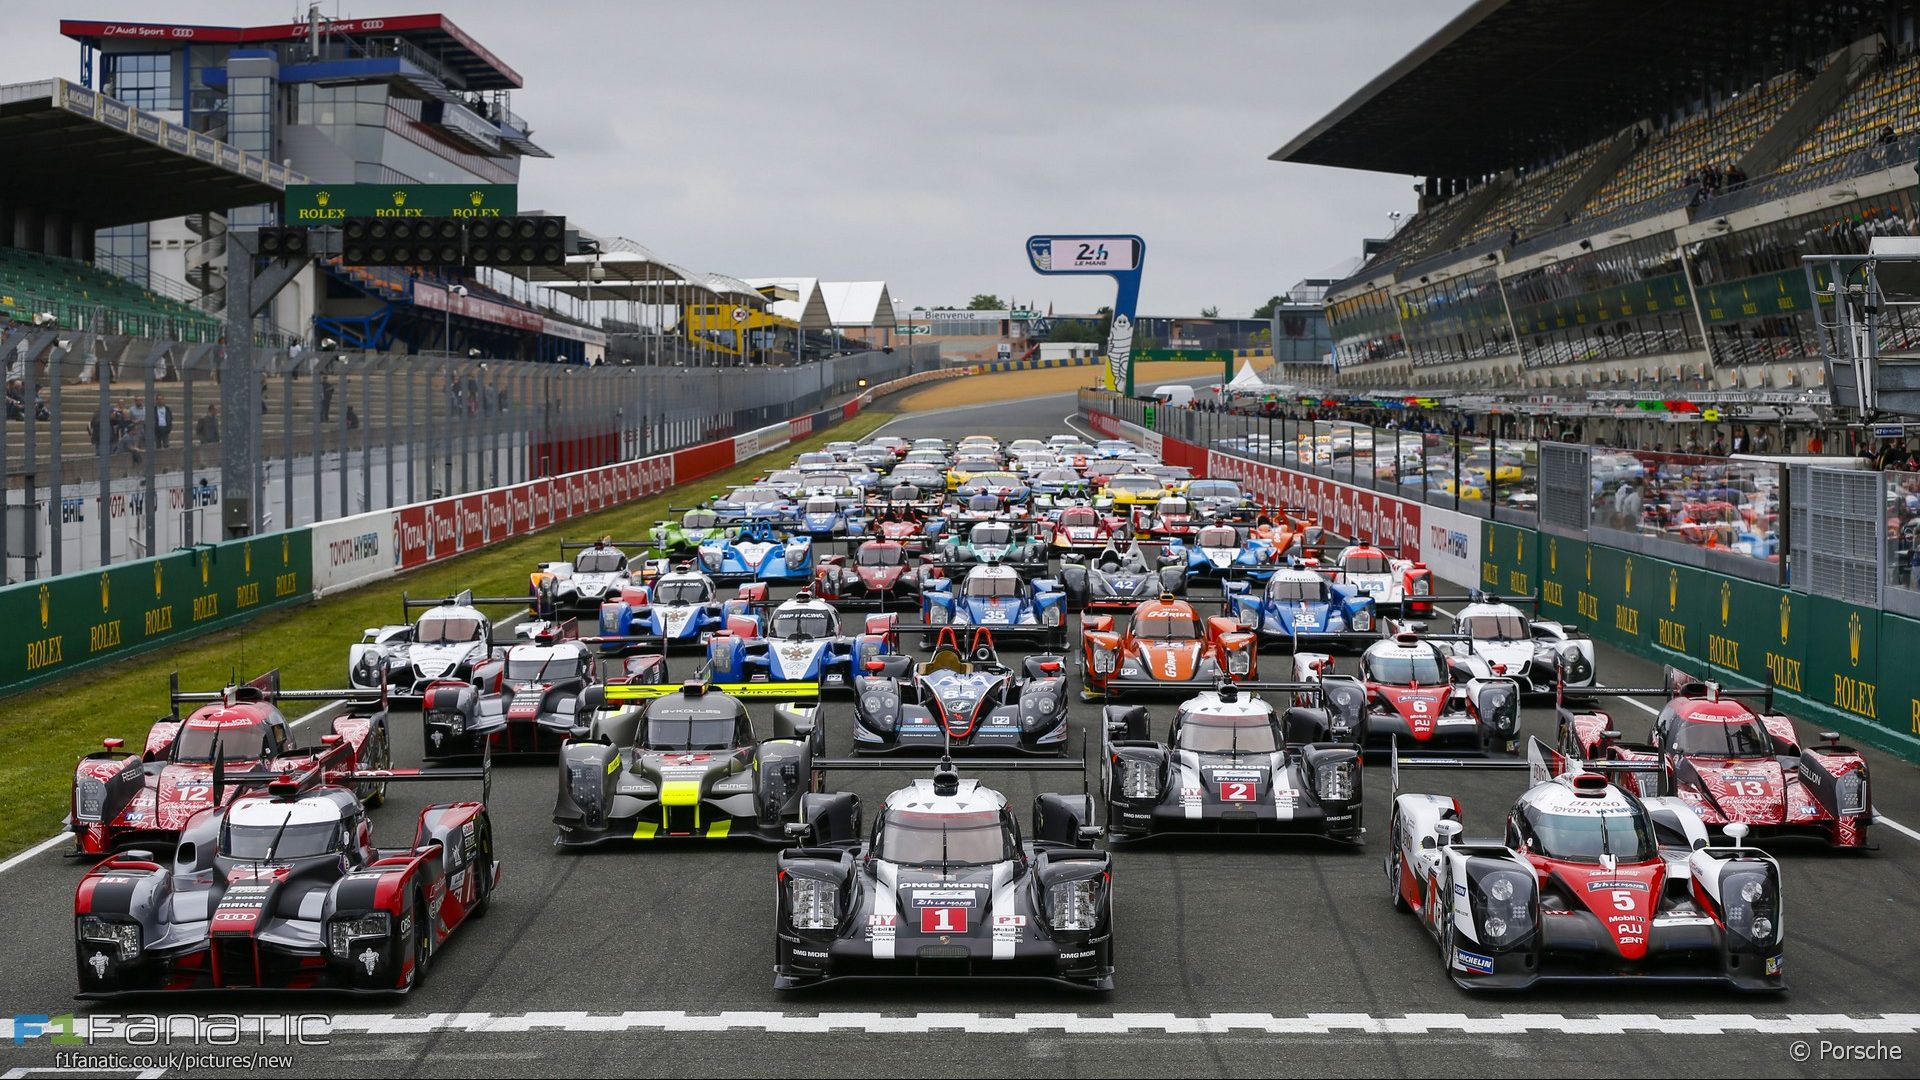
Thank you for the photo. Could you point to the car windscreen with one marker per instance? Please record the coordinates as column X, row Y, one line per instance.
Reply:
column 1365, row 564
column 881, row 555
column 542, row 669
column 754, row 496
column 1296, row 589
column 1213, row 489
column 987, row 586
column 1133, row 484
column 446, row 630
column 1402, row 670
column 297, row 841
column 1585, row 837
column 825, row 504
column 237, row 742
column 685, row 731
column 599, row 561
column 1495, row 627
column 920, row 838
column 1715, row 737
column 699, row 519
column 1249, row 734
column 1158, row 624
column 682, row 591
column 1217, row 536
column 807, row 624
column 1078, row 517
column 1056, row 476
column 990, row 533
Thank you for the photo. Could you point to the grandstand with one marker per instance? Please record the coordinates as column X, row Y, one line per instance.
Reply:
column 1624, row 196
column 80, row 296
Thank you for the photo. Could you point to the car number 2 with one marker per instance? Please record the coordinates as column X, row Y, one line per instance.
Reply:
column 1236, row 791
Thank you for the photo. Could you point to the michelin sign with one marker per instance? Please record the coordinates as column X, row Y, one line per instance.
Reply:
column 1118, row 257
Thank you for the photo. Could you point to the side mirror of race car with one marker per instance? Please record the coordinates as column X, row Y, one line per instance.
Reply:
column 1447, row 829
column 797, row 830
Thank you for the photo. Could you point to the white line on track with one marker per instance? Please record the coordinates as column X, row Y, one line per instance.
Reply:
column 1071, row 1023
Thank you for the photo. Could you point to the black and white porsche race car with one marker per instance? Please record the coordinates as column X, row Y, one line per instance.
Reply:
column 1589, row 883
column 944, row 886
column 451, row 638
column 1231, row 764
column 594, row 574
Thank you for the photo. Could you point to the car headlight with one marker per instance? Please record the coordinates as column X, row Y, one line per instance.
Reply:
column 342, row 933
column 814, row 903
column 797, row 555
column 869, row 650
column 1139, row 779
column 1103, row 661
column 1850, row 793
column 1050, row 617
column 1333, row 780
column 1072, row 905
column 1239, row 662
column 719, row 653
column 937, row 616
column 710, row 558
column 123, row 936
column 1422, row 587
column 1505, row 903
column 451, row 720
column 90, row 799
column 1363, row 619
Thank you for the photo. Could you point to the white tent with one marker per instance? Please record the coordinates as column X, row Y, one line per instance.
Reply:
column 1247, row 379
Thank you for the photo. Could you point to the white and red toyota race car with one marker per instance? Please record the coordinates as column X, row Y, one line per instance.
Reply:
column 1395, row 584
column 1423, row 697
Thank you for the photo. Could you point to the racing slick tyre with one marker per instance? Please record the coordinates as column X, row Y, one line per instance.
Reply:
column 1394, row 870
column 422, row 941
column 484, row 867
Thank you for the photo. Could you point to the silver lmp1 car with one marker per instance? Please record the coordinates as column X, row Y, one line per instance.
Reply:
column 1538, row 654
column 944, row 886
column 450, row 639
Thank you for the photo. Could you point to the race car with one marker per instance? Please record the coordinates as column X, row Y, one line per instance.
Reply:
column 237, row 735
column 1299, row 606
column 1119, row 579
column 1164, row 647
column 1395, row 584
column 695, row 526
column 753, row 502
column 525, row 700
column 1230, row 764
column 1126, row 491
column 944, row 887
column 1214, row 497
column 992, row 542
column 880, row 574
column 1217, row 551
column 758, row 551
column 283, row 889
column 1057, row 484
column 686, row 763
column 1171, row 516
column 961, row 702
column 578, row 586
column 1541, row 655
column 1421, row 698
column 1010, row 488
column 824, row 517
column 999, row 598
column 1590, row 883
column 451, row 636
column 1732, row 762
column 1081, row 529
column 802, row 643
column 680, row 608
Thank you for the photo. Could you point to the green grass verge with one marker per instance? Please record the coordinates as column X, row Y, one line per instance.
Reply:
column 42, row 732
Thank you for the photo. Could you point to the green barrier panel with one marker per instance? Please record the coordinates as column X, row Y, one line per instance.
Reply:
column 1844, row 655
column 1899, row 696
column 1566, row 591
column 1509, row 558
column 64, row 623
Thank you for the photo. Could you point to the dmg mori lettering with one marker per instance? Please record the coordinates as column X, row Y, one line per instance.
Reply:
column 1626, row 619
column 1854, row 695
column 45, row 652
column 158, row 620
column 206, row 607
column 1517, row 582
column 1588, row 605
column 1553, row 594
column 245, row 596
column 1785, row 672
column 104, row 635
column 1723, row 652
column 285, row 585
column 1673, row 635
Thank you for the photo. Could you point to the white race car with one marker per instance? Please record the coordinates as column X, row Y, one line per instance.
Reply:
column 1536, row 653
column 1395, row 584
column 594, row 575
column 450, row 638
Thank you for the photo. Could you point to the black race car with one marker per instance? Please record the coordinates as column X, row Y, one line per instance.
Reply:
column 956, row 701
column 944, row 887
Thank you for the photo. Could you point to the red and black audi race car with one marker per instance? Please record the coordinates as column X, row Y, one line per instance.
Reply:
column 123, row 800
column 1731, row 762
column 283, row 889
column 880, row 573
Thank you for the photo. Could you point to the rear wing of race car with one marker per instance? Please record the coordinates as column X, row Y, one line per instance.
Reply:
column 267, row 688
column 581, row 545
column 464, row 598
column 618, row 693
column 627, row 642
column 291, row 782
column 1542, row 763
column 1679, row 683
column 1331, row 639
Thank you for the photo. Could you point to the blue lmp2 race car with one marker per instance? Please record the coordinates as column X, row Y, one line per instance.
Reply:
column 1219, row 550
column 998, row 598
column 1298, row 604
column 681, row 607
column 759, row 551
column 803, row 643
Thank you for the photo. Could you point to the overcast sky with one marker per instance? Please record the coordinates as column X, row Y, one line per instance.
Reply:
column 916, row 142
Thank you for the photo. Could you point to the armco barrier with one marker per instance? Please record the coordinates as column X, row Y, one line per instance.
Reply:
column 1824, row 656
column 64, row 623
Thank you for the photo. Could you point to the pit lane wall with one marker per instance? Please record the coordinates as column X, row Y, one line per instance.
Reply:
column 1822, row 655
column 63, row 624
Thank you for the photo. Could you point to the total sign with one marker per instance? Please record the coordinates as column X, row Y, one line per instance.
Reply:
column 1120, row 257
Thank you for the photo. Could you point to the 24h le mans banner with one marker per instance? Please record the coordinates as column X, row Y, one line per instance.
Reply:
column 1119, row 257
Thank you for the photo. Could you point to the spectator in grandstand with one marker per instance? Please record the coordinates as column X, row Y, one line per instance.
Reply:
column 1719, row 447
column 1888, row 136
column 1815, row 444
column 16, row 400
column 353, row 418
column 208, row 426
column 1739, row 444
column 326, row 398
column 1762, row 442
column 162, row 422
